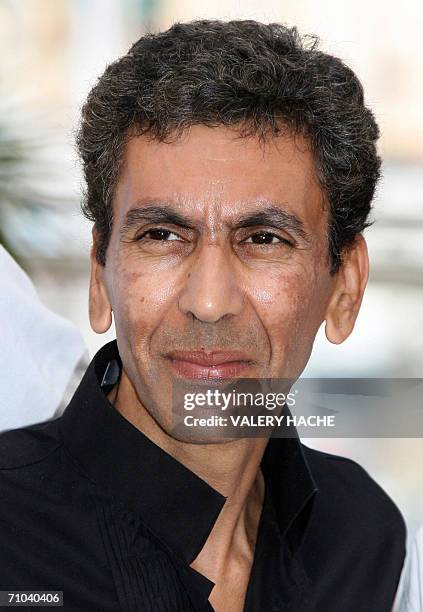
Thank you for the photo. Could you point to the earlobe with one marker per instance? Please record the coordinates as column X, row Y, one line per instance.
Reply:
column 100, row 310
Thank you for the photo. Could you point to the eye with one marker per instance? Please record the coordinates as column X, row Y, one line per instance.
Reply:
column 160, row 234
column 266, row 238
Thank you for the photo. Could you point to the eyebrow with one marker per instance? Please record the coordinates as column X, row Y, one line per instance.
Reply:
column 276, row 217
column 154, row 213
column 272, row 215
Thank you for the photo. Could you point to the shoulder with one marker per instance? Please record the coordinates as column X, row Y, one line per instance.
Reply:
column 349, row 495
column 28, row 445
column 30, row 466
column 354, row 545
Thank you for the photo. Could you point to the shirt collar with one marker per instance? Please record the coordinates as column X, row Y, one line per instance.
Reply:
column 174, row 503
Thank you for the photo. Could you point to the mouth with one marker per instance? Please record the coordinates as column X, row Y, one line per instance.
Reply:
column 213, row 366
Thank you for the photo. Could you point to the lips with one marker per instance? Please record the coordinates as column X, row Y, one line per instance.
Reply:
column 214, row 365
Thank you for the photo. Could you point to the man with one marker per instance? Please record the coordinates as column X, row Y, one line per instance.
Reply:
column 230, row 169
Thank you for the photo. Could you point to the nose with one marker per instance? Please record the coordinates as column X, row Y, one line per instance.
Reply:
column 211, row 290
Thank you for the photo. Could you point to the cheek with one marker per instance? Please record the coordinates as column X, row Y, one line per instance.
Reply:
column 289, row 308
column 281, row 296
column 140, row 301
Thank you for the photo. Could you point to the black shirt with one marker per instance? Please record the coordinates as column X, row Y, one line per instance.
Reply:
column 92, row 507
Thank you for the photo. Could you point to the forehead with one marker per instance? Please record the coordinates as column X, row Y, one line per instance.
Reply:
column 213, row 171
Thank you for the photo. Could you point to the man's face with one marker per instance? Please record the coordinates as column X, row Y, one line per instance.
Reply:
column 217, row 265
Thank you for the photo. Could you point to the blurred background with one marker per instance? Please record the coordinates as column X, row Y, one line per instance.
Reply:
column 51, row 53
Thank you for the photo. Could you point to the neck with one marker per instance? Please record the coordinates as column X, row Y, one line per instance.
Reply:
column 231, row 467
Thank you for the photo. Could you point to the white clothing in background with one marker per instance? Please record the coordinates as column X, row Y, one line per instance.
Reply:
column 412, row 592
column 42, row 356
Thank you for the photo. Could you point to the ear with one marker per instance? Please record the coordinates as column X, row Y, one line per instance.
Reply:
column 350, row 283
column 100, row 309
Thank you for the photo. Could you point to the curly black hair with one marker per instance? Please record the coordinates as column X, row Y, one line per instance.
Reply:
column 257, row 78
